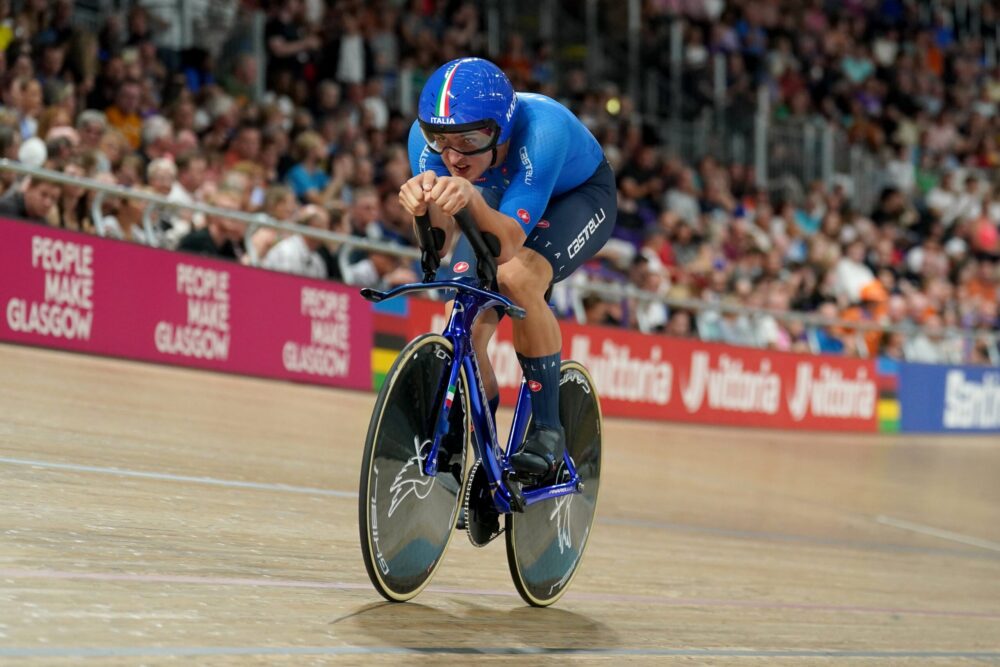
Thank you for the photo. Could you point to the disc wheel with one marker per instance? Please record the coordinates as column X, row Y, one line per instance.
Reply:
column 546, row 542
column 406, row 518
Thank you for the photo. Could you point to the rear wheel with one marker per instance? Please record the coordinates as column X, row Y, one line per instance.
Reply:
column 546, row 542
column 406, row 518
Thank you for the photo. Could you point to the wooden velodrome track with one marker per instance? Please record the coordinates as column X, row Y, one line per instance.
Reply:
column 161, row 516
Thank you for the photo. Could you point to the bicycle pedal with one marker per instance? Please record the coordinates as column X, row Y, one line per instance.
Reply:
column 514, row 485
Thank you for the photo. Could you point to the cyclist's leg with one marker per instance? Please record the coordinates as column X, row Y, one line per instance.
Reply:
column 573, row 228
column 538, row 342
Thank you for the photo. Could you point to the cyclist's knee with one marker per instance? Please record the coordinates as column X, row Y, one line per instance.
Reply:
column 527, row 274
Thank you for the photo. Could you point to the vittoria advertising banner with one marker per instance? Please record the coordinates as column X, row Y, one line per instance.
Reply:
column 656, row 377
column 936, row 399
column 78, row 292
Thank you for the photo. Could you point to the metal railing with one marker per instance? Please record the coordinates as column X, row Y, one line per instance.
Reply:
column 579, row 288
column 253, row 221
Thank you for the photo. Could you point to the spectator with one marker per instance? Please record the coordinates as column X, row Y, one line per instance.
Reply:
column 29, row 105
column 33, row 200
column 298, row 254
column 221, row 237
column 280, row 204
column 289, row 45
column 242, row 83
column 91, row 125
column 157, row 138
column 307, row 178
column 123, row 115
column 244, row 147
column 71, row 211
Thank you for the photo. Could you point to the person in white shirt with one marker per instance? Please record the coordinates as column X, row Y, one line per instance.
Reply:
column 297, row 253
column 942, row 200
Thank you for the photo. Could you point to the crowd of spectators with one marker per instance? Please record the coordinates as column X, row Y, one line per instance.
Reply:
column 324, row 146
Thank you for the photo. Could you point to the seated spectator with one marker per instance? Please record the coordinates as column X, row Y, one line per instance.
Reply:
column 279, row 203
column 330, row 251
column 826, row 338
column 29, row 106
column 297, row 253
column 244, row 146
column 307, row 178
column 34, row 200
column 124, row 116
column 72, row 211
column 602, row 312
column 221, row 237
column 680, row 325
column 157, row 138
column 682, row 198
column 186, row 189
column 90, row 126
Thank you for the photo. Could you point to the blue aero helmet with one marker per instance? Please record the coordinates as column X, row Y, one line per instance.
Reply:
column 467, row 106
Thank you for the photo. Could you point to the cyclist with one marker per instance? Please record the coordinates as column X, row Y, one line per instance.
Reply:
column 533, row 176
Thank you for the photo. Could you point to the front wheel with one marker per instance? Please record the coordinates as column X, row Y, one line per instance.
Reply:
column 546, row 542
column 407, row 518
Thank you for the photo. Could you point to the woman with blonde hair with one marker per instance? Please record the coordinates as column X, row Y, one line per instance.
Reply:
column 308, row 178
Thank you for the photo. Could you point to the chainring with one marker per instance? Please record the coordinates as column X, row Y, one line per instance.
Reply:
column 482, row 521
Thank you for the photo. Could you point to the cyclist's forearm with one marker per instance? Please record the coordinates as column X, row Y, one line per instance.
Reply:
column 502, row 226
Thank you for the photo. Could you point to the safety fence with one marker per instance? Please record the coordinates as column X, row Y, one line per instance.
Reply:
column 708, row 316
column 72, row 291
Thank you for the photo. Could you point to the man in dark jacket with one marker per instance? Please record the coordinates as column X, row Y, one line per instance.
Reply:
column 221, row 237
column 32, row 200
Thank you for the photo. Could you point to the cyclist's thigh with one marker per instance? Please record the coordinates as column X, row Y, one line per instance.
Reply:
column 576, row 224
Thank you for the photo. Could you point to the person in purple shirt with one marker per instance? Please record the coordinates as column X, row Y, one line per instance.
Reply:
column 532, row 175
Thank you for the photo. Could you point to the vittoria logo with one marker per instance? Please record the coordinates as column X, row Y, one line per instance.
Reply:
column 829, row 394
column 461, row 267
column 524, row 215
column 544, row 224
column 534, row 385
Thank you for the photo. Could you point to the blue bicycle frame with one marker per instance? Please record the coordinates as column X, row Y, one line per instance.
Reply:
column 470, row 302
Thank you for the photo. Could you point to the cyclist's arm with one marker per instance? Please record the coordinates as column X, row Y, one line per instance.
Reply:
column 504, row 227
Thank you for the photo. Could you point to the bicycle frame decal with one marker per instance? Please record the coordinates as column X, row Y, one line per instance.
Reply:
column 382, row 563
column 411, row 478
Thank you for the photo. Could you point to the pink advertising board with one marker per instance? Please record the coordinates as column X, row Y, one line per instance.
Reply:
column 78, row 292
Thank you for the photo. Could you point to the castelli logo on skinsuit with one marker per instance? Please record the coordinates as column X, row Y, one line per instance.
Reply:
column 534, row 385
column 524, row 215
column 544, row 224
column 461, row 267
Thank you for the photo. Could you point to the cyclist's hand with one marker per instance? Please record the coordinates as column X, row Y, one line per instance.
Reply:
column 452, row 193
column 413, row 193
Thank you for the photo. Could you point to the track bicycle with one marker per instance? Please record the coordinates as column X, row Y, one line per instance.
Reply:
column 415, row 485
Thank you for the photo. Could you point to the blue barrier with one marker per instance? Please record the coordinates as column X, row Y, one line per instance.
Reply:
column 939, row 399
